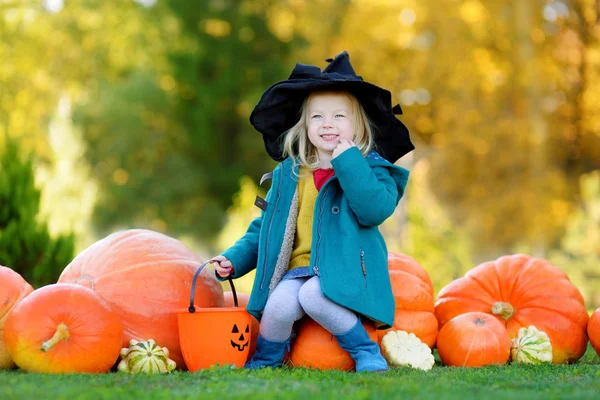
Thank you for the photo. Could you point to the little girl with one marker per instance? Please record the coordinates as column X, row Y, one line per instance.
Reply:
column 316, row 245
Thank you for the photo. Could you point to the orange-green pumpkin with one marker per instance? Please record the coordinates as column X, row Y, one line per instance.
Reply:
column 522, row 291
column 145, row 276
column 243, row 299
column 413, row 292
column 593, row 330
column 63, row 328
column 473, row 339
column 13, row 288
column 315, row 347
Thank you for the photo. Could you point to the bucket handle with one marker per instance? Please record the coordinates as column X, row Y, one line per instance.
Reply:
column 191, row 308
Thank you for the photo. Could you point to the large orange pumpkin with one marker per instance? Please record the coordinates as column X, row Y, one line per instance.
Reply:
column 593, row 330
column 13, row 288
column 145, row 276
column 413, row 292
column 315, row 347
column 63, row 328
column 243, row 299
column 473, row 339
column 522, row 291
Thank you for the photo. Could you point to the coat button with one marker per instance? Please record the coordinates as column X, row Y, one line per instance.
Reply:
column 335, row 209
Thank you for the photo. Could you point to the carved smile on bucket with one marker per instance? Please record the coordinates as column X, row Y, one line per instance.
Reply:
column 239, row 343
column 239, row 346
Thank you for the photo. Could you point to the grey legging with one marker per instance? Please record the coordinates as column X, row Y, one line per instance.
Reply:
column 294, row 297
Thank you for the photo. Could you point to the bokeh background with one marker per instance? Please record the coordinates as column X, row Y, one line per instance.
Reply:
column 134, row 114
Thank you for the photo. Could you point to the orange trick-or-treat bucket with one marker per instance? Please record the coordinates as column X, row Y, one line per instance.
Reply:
column 214, row 335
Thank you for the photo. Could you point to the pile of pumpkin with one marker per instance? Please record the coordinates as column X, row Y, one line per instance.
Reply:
column 112, row 304
column 114, row 307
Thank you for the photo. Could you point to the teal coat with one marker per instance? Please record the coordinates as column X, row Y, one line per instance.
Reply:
column 348, row 252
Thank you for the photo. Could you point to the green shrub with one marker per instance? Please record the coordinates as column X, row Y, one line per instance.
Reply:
column 25, row 243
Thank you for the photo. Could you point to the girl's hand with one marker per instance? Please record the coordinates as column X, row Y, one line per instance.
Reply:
column 223, row 266
column 342, row 146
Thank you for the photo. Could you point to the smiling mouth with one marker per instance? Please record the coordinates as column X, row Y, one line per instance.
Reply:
column 238, row 346
column 329, row 136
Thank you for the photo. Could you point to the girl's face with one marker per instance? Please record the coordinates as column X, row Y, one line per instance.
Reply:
column 330, row 119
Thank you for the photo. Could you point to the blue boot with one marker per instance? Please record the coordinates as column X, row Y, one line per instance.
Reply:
column 268, row 354
column 362, row 349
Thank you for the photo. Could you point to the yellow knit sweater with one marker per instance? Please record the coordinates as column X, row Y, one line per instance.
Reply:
column 307, row 196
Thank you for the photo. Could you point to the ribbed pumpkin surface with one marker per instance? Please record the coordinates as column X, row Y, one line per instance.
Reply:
column 531, row 347
column 413, row 292
column 593, row 330
column 315, row 347
column 145, row 357
column 63, row 328
column 13, row 288
column 145, row 276
column 473, row 339
column 522, row 291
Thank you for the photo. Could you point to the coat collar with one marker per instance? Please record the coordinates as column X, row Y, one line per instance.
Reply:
column 373, row 157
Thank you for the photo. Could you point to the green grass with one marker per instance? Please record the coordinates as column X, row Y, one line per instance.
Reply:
column 580, row 380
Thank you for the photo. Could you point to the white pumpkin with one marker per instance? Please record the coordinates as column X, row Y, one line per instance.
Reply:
column 531, row 346
column 406, row 350
column 145, row 357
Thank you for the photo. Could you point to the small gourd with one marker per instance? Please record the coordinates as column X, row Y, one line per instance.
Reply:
column 531, row 346
column 145, row 357
column 404, row 349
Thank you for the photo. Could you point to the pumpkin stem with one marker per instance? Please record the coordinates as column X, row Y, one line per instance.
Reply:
column 502, row 309
column 61, row 334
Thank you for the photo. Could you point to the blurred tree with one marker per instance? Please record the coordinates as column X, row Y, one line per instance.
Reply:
column 440, row 245
column 579, row 253
column 90, row 41
column 476, row 79
column 27, row 91
column 171, row 139
column 239, row 216
column 501, row 98
column 25, row 244
column 491, row 171
column 576, row 50
column 68, row 189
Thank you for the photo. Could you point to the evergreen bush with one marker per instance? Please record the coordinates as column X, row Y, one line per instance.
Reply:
column 25, row 243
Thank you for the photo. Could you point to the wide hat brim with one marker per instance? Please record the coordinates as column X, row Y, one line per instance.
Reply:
column 279, row 107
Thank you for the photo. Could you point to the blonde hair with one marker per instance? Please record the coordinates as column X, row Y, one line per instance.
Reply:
column 297, row 145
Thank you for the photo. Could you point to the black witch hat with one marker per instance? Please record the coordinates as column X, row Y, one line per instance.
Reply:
column 279, row 107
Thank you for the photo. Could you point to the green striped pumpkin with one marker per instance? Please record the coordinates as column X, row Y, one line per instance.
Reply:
column 531, row 346
column 145, row 357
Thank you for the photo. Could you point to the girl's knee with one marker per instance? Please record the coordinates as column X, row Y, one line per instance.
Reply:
column 310, row 295
column 283, row 307
column 283, row 312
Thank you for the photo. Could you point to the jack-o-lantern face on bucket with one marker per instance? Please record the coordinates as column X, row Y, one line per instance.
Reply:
column 240, row 342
